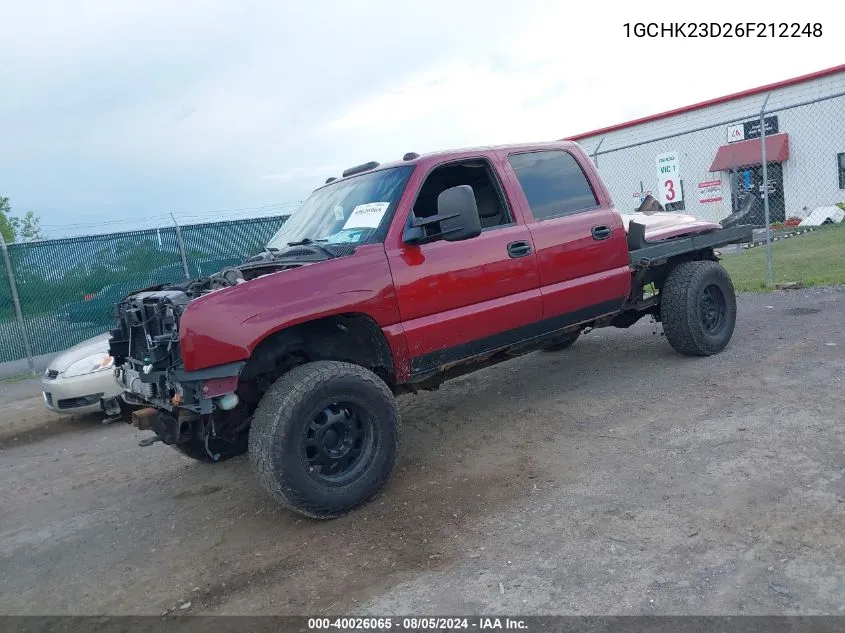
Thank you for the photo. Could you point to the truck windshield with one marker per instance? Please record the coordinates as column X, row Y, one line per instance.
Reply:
column 348, row 211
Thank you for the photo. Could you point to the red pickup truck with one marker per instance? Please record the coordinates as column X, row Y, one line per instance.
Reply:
column 392, row 279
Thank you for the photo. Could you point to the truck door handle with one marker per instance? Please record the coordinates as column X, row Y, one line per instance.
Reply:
column 601, row 232
column 519, row 249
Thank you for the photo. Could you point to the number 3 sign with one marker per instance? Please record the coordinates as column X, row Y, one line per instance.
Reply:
column 669, row 178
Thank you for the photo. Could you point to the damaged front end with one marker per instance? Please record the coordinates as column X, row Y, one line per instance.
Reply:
column 193, row 410
column 145, row 346
column 205, row 413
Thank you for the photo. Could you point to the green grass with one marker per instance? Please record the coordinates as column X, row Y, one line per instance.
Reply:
column 816, row 259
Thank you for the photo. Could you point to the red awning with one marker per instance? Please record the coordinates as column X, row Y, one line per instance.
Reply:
column 747, row 153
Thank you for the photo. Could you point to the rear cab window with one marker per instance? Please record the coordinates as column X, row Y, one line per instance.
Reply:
column 554, row 183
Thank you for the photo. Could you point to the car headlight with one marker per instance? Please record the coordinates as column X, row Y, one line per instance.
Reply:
column 90, row 364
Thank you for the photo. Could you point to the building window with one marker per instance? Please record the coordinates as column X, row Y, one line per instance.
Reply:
column 554, row 183
column 840, row 162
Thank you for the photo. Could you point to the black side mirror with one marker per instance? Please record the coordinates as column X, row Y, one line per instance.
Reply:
column 457, row 214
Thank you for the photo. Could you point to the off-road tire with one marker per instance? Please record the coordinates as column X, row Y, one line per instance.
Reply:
column 689, row 288
column 195, row 449
column 562, row 343
column 283, row 418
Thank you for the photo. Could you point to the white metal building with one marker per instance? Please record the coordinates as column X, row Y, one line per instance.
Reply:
column 704, row 158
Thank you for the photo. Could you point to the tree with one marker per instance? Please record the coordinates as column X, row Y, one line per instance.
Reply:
column 7, row 229
column 15, row 229
column 29, row 227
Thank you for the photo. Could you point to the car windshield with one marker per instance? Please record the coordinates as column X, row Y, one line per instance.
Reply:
column 348, row 211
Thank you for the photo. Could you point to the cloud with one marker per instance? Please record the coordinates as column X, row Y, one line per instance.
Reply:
column 303, row 173
column 147, row 108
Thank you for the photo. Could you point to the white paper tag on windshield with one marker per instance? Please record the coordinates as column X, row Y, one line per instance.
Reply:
column 366, row 216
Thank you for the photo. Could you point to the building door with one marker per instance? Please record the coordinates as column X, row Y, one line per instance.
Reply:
column 750, row 180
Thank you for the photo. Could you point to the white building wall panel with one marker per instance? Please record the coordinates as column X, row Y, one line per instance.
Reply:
column 816, row 134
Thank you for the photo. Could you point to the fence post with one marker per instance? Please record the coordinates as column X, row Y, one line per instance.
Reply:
column 17, row 302
column 596, row 153
column 769, row 276
column 181, row 245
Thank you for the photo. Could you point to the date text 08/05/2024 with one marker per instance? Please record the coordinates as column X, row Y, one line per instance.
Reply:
column 723, row 29
column 417, row 624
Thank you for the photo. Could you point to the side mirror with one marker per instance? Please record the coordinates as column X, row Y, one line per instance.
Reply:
column 457, row 215
column 459, row 211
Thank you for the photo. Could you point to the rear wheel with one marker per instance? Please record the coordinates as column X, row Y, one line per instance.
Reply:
column 324, row 438
column 698, row 308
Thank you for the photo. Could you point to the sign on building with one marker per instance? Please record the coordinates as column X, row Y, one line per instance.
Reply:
column 669, row 178
column 710, row 191
column 736, row 133
column 751, row 129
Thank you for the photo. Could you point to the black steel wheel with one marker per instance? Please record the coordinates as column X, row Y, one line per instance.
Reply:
column 324, row 438
column 339, row 443
column 698, row 308
column 713, row 309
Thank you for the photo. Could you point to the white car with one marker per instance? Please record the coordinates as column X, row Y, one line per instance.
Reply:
column 81, row 380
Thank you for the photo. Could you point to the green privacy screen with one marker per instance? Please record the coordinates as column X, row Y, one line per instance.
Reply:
column 68, row 287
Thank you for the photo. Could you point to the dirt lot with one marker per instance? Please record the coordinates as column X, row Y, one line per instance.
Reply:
column 615, row 477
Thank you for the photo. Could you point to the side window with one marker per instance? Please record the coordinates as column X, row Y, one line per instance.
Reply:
column 492, row 209
column 554, row 183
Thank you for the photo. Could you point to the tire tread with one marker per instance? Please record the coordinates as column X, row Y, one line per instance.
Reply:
column 680, row 323
column 277, row 403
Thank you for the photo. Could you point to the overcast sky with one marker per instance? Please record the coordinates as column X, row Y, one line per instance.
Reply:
column 112, row 110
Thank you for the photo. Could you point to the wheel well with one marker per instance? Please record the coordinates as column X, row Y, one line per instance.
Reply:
column 640, row 302
column 658, row 274
column 352, row 338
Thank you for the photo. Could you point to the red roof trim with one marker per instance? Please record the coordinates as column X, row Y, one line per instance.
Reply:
column 706, row 104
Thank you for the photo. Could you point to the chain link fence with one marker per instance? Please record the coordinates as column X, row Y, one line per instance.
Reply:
column 779, row 157
column 57, row 293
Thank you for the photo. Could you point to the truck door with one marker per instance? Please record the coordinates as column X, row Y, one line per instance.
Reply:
column 582, row 247
column 460, row 299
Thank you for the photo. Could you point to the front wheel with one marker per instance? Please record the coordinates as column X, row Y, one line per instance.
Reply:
column 324, row 438
column 698, row 308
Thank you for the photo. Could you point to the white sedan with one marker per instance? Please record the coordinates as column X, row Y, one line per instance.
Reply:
column 81, row 379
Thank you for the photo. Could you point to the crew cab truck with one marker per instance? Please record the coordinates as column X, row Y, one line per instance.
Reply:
column 393, row 279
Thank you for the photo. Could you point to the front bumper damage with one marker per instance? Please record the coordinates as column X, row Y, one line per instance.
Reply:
column 189, row 409
column 200, row 392
column 183, row 403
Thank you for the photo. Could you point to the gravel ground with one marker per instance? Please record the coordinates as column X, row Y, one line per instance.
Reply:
column 612, row 478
